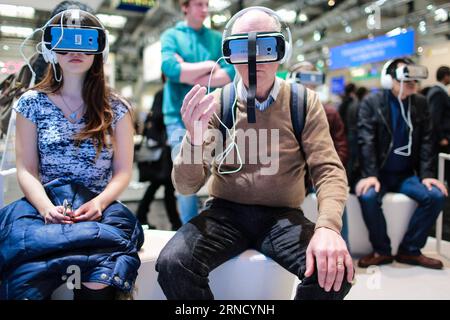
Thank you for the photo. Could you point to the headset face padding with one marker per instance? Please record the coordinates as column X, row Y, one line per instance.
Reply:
column 288, row 42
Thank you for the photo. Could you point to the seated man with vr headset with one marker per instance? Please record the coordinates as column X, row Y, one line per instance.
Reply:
column 250, row 208
column 396, row 155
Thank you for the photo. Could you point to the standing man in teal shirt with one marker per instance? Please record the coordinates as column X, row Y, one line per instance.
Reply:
column 189, row 53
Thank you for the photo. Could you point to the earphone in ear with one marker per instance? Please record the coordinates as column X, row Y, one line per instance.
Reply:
column 386, row 79
column 49, row 56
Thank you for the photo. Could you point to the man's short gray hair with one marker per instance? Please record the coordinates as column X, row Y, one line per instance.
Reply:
column 275, row 19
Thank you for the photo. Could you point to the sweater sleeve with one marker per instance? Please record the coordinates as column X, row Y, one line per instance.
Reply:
column 326, row 169
column 191, row 167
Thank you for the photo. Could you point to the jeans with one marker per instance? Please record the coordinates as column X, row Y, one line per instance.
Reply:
column 187, row 204
column 225, row 229
column 430, row 204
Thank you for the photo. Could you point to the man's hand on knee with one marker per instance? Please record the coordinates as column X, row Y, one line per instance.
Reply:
column 430, row 182
column 329, row 252
column 365, row 184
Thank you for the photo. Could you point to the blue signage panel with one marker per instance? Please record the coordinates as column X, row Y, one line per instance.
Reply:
column 337, row 85
column 372, row 50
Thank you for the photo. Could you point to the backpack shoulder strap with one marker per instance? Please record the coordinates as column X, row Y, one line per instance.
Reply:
column 227, row 97
column 298, row 109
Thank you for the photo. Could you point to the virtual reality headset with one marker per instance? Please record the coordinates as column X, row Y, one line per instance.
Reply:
column 411, row 73
column 315, row 78
column 270, row 47
column 82, row 39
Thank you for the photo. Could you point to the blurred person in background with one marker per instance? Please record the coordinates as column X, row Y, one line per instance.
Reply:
column 348, row 100
column 155, row 132
column 351, row 125
column 189, row 53
column 396, row 155
column 439, row 102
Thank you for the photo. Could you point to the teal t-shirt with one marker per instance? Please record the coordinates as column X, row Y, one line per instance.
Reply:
column 193, row 46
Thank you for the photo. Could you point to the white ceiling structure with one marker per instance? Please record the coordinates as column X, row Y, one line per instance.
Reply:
column 48, row 5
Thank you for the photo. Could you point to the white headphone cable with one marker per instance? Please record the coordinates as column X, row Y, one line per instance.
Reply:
column 229, row 148
column 407, row 118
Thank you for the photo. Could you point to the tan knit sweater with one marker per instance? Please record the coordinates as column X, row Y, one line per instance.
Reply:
column 255, row 183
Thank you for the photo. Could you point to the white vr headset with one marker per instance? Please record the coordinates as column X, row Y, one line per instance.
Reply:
column 270, row 46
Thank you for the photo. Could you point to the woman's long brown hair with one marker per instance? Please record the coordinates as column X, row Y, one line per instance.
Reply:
column 95, row 93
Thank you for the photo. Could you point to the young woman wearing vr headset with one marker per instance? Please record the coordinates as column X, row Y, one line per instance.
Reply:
column 71, row 125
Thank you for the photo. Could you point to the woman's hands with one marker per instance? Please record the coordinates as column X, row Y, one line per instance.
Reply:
column 90, row 211
column 56, row 215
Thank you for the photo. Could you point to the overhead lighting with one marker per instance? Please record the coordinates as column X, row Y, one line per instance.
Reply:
column 371, row 23
column 112, row 21
column 299, row 43
column 13, row 31
column 348, row 29
column 331, row 3
column 16, row 11
column 422, row 27
column 287, row 16
column 219, row 19
column 420, row 50
column 6, row 47
column 111, row 38
column 218, row 5
column 302, row 17
column 317, row 36
column 300, row 58
column 430, row 7
column 396, row 32
column 441, row 15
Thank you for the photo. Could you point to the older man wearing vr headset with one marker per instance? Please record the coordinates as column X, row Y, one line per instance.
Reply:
column 396, row 155
column 249, row 209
